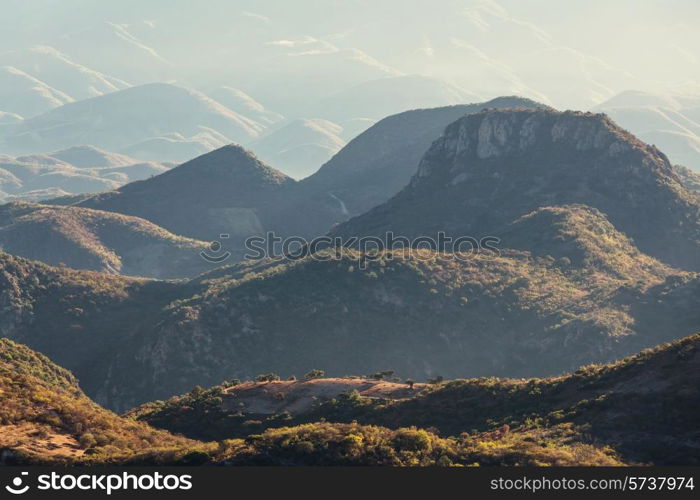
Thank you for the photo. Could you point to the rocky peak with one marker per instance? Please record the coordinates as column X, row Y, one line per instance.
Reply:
column 492, row 167
column 225, row 168
column 518, row 132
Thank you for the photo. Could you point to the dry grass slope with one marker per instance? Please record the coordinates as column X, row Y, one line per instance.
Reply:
column 100, row 241
column 45, row 417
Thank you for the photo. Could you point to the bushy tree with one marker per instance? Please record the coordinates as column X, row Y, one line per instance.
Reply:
column 314, row 374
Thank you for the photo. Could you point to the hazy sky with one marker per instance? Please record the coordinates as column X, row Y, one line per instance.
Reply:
column 570, row 54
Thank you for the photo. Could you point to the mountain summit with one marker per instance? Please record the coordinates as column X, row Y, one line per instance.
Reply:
column 492, row 167
column 379, row 162
column 225, row 191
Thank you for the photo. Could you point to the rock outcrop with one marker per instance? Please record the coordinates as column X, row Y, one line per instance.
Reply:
column 492, row 167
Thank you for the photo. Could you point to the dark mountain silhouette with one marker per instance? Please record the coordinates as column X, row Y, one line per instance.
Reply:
column 228, row 191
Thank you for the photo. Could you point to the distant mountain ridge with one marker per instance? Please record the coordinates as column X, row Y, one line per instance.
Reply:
column 123, row 120
column 368, row 171
column 36, row 79
column 387, row 96
column 671, row 122
column 299, row 147
column 76, row 170
column 580, row 206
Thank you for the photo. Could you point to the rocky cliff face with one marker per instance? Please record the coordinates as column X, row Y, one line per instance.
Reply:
column 516, row 133
column 492, row 167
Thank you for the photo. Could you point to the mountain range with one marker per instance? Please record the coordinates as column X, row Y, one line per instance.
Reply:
column 230, row 191
column 592, row 298
column 596, row 260
column 579, row 271
column 671, row 122
column 298, row 145
column 380, row 161
column 157, row 121
column 76, row 170
column 501, row 281
column 37, row 79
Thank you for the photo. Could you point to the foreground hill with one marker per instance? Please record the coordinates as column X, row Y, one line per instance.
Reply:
column 133, row 340
column 645, row 407
column 492, row 167
column 82, row 319
column 82, row 238
column 46, row 418
column 515, row 315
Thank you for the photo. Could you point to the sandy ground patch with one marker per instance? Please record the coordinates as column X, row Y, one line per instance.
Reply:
column 296, row 397
column 37, row 440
